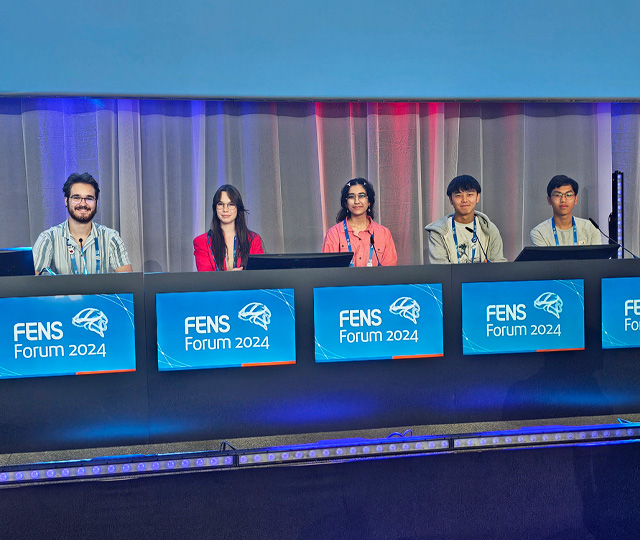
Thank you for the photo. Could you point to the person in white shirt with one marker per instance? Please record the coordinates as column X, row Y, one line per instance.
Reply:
column 564, row 229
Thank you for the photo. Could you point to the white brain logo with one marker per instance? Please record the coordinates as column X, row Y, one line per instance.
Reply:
column 91, row 319
column 256, row 313
column 406, row 307
column 549, row 302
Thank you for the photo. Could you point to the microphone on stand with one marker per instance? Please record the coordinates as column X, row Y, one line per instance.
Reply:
column 611, row 239
column 375, row 250
column 84, row 259
column 469, row 229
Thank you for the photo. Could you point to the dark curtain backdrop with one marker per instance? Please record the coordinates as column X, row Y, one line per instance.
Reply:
column 160, row 161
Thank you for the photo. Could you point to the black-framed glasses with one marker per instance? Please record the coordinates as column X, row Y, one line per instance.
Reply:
column 89, row 200
column 569, row 195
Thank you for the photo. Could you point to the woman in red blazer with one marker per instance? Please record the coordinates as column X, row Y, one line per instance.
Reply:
column 229, row 242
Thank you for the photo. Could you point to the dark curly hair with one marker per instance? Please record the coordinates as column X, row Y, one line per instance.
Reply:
column 371, row 194
column 77, row 178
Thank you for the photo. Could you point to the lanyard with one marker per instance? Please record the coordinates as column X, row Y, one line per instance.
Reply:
column 455, row 238
column 346, row 233
column 575, row 231
column 233, row 260
column 84, row 259
column 233, row 264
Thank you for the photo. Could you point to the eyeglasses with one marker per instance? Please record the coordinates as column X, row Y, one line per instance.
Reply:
column 222, row 206
column 360, row 197
column 569, row 195
column 77, row 199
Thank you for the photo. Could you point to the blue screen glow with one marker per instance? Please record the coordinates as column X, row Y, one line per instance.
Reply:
column 522, row 316
column 620, row 313
column 66, row 335
column 215, row 329
column 377, row 322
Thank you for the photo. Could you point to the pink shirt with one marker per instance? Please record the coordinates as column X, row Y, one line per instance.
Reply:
column 336, row 241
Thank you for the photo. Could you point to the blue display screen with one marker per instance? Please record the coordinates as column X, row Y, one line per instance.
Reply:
column 494, row 49
column 620, row 313
column 217, row 329
column 377, row 322
column 522, row 316
column 66, row 335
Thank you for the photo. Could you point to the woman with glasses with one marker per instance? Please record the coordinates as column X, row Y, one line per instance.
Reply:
column 229, row 242
column 355, row 230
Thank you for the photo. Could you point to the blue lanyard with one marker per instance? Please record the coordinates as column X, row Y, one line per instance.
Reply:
column 233, row 262
column 575, row 231
column 235, row 244
column 455, row 238
column 84, row 259
column 346, row 233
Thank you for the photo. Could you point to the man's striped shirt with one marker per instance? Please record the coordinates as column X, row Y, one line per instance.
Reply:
column 56, row 248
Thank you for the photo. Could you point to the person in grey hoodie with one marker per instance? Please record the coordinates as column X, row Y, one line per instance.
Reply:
column 466, row 236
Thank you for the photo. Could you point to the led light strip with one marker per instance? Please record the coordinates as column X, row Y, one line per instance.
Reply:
column 55, row 471
column 619, row 212
column 352, row 449
column 349, row 451
column 519, row 439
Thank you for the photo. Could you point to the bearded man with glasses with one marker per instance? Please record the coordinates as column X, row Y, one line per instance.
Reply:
column 563, row 229
column 77, row 245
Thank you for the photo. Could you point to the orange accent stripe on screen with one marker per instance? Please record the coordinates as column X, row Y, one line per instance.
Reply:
column 108, row 371
column 558, row 350
column 416, row 356
column 269, row 363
